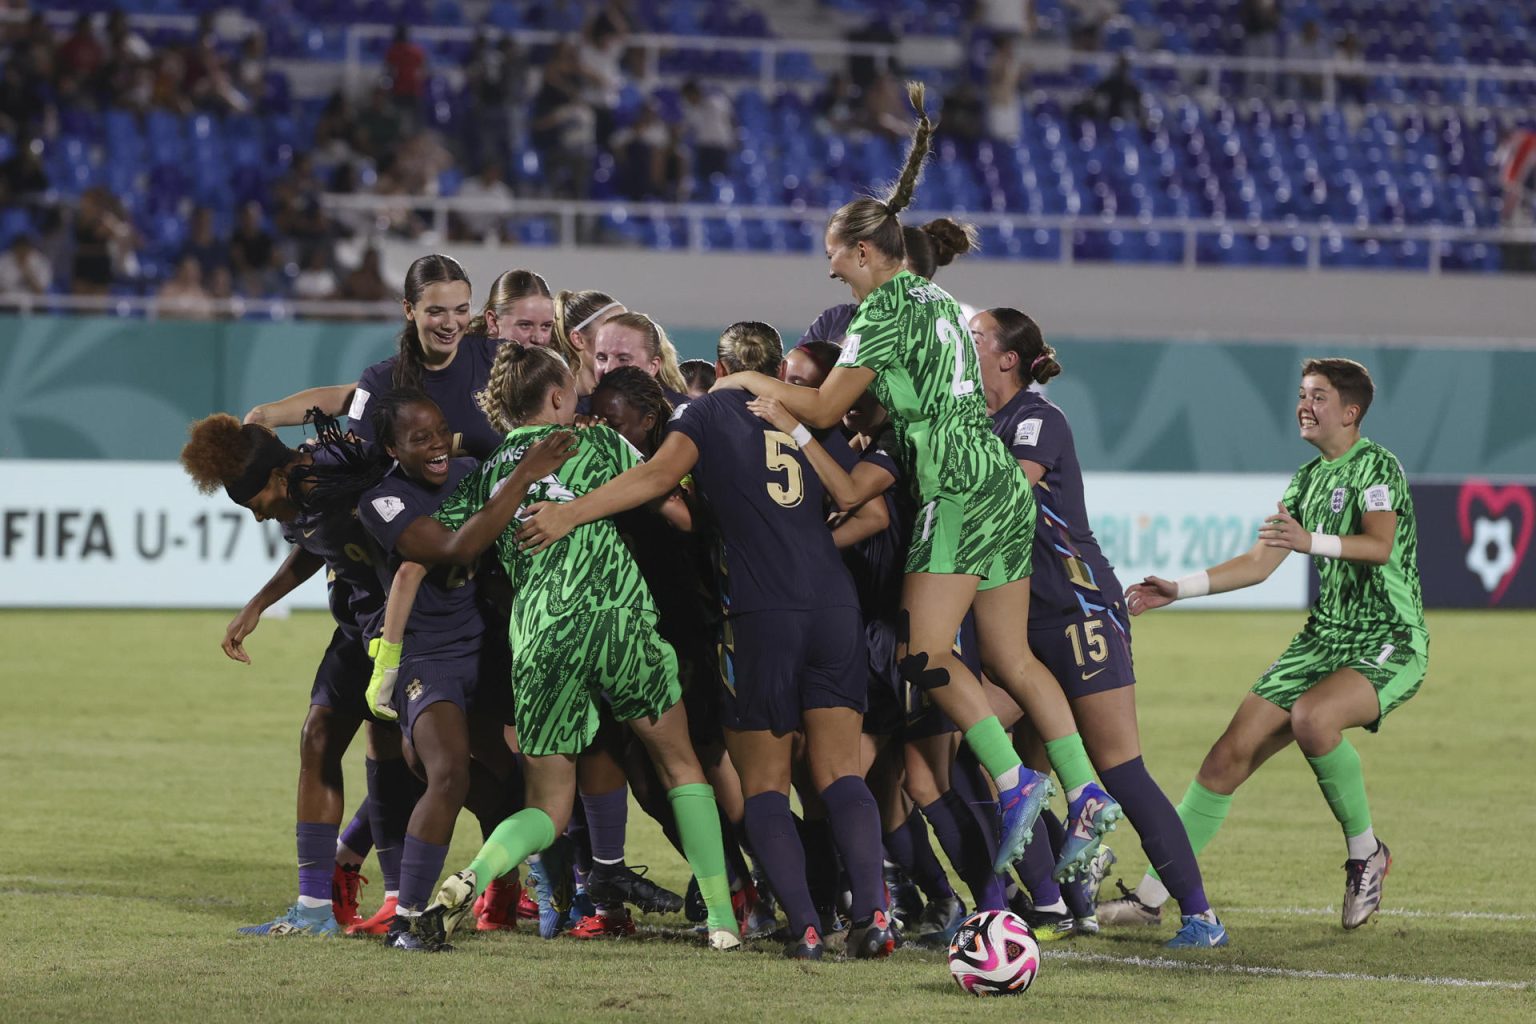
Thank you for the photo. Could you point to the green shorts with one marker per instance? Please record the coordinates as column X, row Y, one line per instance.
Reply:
column 560, row 673
column 1394, row 667
column 987, row 532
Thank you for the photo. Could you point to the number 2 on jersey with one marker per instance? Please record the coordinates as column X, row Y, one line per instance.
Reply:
column 949, row 334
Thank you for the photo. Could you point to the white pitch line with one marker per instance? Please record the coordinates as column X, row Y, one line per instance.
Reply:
column 1165, row 964
column 1432, row 915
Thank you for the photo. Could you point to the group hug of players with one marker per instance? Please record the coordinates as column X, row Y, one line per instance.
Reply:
column 562, row 573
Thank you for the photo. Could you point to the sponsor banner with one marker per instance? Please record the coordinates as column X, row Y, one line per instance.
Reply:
column 95, row 534
column 1173, row 524
column 1475, row 543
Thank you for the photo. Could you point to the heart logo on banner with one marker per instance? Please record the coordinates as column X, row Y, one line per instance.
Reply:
column 1493, row 530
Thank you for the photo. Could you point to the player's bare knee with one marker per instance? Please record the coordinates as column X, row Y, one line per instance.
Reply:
column 1225, row 767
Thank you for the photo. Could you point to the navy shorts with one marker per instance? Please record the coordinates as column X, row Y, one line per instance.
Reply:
column 924, row 716
column 776, row 664
column 887, row 710
column 474, row 675
column 341, row 681
column 699, row 673
column 1087, row 654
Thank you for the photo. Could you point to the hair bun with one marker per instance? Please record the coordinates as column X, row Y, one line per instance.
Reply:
column 950, row 239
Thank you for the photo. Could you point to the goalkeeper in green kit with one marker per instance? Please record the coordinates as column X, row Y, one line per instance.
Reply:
column 1363, row 651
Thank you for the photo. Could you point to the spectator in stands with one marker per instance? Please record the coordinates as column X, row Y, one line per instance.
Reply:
column 1309, row 44
column 476, row 226
column 81, row 56
column 710, row 129
column 600, row 56
column 365, row 283
column 20, row 97
column 1261, row 21
column 221, row 287
column 208, row 81
column 647, row 158
column 169, row 90
column 23, row 174
column 204, row 243
column 317, row 280
column 300, row 215
column 182, row 296
column 1015, row 17
column 406, row 65
column 497, row 88
column 380, row 126
column 965, row 118
column 864, row 69
column 127, row 53
column 253, row 252
column 886, row 110
column 24, row 269
column 1005, row 99
column 1351, row 85
column 564, row 126
column 251, row 67
column 1116, row 95
column 106, row 244
column 1085, row 21
column 837, row 105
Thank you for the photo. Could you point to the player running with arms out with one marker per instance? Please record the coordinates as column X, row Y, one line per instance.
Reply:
column 1363, row 651
column 260, row 473
column 975, row 524
column 793, row 644
column 1077, row 618
column 583, row 629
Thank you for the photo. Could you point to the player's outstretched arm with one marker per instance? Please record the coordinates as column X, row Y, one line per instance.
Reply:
column 299, row 566
column 1372, row 546
column 290, row 412
column 1253, row 566
column 428, row 541
column 815, row 407
column 549, row 521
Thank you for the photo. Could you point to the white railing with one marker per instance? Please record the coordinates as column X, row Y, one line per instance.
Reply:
column 917, row 51
column 233, row 308
column 571, row 217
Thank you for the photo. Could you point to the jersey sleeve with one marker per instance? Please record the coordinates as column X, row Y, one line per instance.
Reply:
column 1295, row 491
column 837, row 447
column 831, row 325
column 1383, row 485
column 385, row 514
column 374, row 382
column 874, row 336
column 693, row 422
column 1039, row 435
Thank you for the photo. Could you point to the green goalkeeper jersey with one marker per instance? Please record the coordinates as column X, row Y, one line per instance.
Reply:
column 1355, row 598
column 916, row 339
column 588, row 570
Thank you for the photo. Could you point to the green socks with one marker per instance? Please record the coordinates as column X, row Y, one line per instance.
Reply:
column 1202, row 813
column 992, row 747
column 1343, row 785
column 1070, row 762
column 698, row 823
column 526, row 832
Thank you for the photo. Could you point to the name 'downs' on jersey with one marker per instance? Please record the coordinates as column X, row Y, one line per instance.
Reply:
column 913, row 335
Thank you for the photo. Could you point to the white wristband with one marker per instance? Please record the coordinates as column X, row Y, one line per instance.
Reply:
column 1196, row 584
column 801, row 435
column 1327, row 545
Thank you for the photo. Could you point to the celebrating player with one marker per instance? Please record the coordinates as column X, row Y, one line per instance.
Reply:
column 578, row 315
column 1363, row 651
column 517, row 309
column 972, row 536
column 634, row 339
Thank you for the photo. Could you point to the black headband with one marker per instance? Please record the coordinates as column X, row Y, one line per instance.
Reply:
column 270, row 453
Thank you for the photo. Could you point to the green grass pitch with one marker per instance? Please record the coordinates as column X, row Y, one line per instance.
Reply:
column 148, row 799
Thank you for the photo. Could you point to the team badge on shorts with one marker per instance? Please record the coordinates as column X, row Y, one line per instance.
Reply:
column 413, row 691
column 1337, row 501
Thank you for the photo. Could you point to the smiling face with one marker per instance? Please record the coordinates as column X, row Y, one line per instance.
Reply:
column 1321, row 413
column 423, row 443
column 846, row 262
column 529, row 321
column 618, row 345
column 441, row 316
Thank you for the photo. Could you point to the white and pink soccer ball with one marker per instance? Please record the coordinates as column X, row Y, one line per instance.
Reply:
column 994, row 953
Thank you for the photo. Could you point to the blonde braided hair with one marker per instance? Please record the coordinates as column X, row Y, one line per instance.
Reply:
column 874, row 220
column 520, row 378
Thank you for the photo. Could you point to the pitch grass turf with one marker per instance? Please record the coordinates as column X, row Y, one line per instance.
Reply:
column 148, row 793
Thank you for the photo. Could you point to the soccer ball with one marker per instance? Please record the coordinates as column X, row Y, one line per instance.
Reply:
column 993, row 954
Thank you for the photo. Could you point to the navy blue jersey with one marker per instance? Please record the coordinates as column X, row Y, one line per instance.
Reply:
column 1072, row 576
column 831, row 325
column 453, row 388
column 675, row 573
column 878, row 563
column 446, row 610
column 354, row 568
column 768, row 506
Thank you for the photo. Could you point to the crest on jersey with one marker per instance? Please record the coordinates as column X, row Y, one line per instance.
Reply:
column 413, row 690
column 1337, row 501
column 388, row 507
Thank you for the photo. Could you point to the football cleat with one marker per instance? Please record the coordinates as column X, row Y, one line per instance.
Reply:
column 435, row 925
column 1051, row 925
column 1198, row 933
column 401, row 936
column 693, row 902
column 1362, row 885
column 613, row 884
column 936, row 925
column 810, row 947
column 754, row 917
column 346, row 881
column 378, row 924
column 906, row 902
column 550, row 916
column 298, row 920
column 496, row 909
column 613, row 924
column 873, row 938
column 582, row 906
column 1098, row 870
column 723, row 940
column 1092, row 814
column 1020, row 804
column 527, row 906
column 1127, row 909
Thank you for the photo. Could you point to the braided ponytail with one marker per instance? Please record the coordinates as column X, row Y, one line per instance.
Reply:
column 519, row 380
column 900, row 195
column 874, row 220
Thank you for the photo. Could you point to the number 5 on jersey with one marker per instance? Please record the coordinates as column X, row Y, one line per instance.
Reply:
column 778, row 449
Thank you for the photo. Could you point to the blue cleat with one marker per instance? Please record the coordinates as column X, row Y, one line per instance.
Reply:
column 551, row 878
column 299, row 920
column 1198, row 933
column 581, row 907
column 1021, row 805
column 1092, row 814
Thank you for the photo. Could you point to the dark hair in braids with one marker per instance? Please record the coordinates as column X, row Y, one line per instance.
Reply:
column 343, row 470
column 1017, row 333
column 427, row 270
column 520, row 378
column 642, row 392
column 874, row 220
